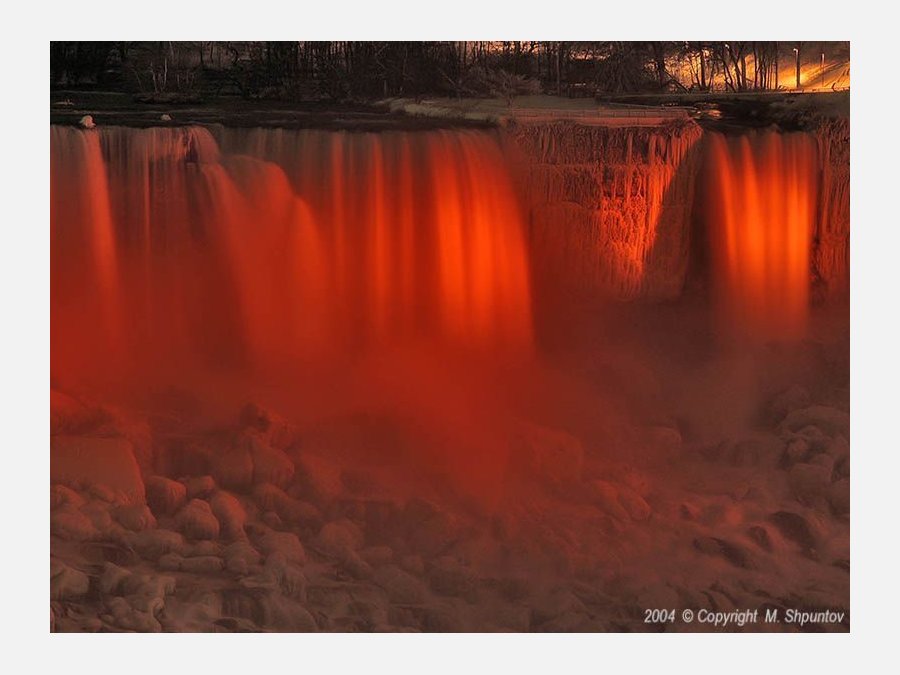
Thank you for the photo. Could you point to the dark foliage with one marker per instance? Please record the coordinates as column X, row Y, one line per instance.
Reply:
column 370, row 70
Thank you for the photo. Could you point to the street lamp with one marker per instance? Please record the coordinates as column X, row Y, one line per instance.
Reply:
column 797, row 53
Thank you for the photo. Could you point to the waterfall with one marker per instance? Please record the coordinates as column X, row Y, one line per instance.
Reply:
column 173, row 253
column 760, row 211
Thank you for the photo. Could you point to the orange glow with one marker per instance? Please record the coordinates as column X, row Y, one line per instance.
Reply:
column 761, row 215
column 171, row 259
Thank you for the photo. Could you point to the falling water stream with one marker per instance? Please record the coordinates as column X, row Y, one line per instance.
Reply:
column 170, row 256
column 761, row 213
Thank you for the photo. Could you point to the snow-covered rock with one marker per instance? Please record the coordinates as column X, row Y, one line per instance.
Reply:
column 636, row 506
column 67, row 583
column 270, row 465
column 199, row 486
column 71, row 524
column 287, row 575
column 809, row 482
column 285, row 543
column 401, row 587
column 197, row 521
column 272, row 498
column 202, row 564
column 839, row 496
column 101, row 516
column 831, row 421
column 274, row 429
column 230, row 513
column 240, row 557
column 377, row 555
column 606, row 497
column 60, row 495
column 787, row 401
column 152, row 544
column 165, row 496
column 111, row 578
column 340, row 538
column 134, row 517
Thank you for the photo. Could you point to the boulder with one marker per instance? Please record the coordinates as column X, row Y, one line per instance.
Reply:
column 230, row 513
column 839, row 450
column 165, row 496
column 134, row 517
column 149, row 586
column 152, row 544
column 111, row 578
column 289, row 615
column 287, row 575
column 203, row 564
column 101, row 493
column 171, row 562
column 635, row 505
column 839, row 496
column 401, row 587
column 67, row 583
column 340, row 538
column 275, row 430
column 60, row 495
column 809, row 482
column 240, row 557
column 786, row 402
column 272, row 498
column 731, row 552
column 202, row 547
column 285, row 543
column 73, row 525
column 122, row 615
column 199, row 486
column 816, row 439
column 429, row 528
column 606, row 497
column 555, row 603
column 830, row 420
column 269, row 497
column 273, row 520
column 377, row 555
column 796, row 450
column 270, row 465
column 447, row 576
column 99, row 514
column 197, row 521
column 800, row 529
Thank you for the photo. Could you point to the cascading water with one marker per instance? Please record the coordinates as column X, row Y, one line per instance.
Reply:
column 760, row 211
column 171, row 258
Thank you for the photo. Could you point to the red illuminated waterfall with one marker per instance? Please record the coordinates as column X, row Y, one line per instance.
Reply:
column 171, row 257
column 761, row 195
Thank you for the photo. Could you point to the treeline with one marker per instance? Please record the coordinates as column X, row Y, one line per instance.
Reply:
column 367, row 70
